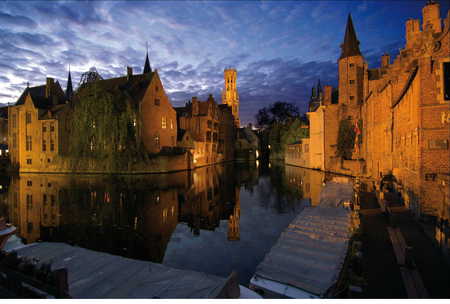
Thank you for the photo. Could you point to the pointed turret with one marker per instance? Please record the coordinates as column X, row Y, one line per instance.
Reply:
column 319, row 89
column 313, row 93
column 350, row 47
column 69, row 89
column 147, row 68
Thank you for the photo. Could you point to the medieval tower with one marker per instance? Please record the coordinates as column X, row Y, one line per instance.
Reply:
column 230, row 94
column 351, row 74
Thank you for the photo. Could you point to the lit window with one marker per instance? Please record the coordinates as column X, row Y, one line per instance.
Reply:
column 163, row 122
column 134, row 122
column 164, row 215
column 157, row 140
column 28, row 143
column 171, row 123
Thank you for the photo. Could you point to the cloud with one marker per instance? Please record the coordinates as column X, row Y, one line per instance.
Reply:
column 15, row 20
column 279, row 50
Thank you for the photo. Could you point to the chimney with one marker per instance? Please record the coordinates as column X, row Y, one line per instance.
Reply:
column 327, row 90
column 412, row 31
column 385, row 60
column 432, row 17
column 48, row 87
column 129, row 72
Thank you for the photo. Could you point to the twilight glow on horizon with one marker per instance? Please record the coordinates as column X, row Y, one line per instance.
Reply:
column 279, row 48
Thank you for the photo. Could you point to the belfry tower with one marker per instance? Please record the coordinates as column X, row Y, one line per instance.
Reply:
column 230, row 94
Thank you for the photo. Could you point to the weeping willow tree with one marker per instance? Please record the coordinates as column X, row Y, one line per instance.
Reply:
column 103, row 127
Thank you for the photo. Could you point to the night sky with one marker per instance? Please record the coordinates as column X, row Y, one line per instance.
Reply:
column 280, row 48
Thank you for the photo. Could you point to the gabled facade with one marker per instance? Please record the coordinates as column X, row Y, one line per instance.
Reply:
column 33, row 131
column 211, row 127
column 41, row 125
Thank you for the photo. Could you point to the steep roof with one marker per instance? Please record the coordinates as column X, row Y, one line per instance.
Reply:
column 69, row 89
column 38, row 96
column 350, row 47
column 133, row 86
column 147, row 68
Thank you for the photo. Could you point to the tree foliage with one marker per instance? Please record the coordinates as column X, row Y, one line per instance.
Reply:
column 104, row 127
column 282, row 134
column 279, row 112
column 346, row 139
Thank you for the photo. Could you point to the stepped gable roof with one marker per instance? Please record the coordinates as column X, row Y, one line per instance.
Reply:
column 350, row 47
column 38, row 96
column 134, row 86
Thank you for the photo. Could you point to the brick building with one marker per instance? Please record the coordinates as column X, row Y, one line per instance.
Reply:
column 33, row 127
column 39, row 129
column 399, row 112
column 297, row 153
column 405, row 110
column 211, row 126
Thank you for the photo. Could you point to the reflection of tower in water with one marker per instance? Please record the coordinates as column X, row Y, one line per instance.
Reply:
column 233, row 220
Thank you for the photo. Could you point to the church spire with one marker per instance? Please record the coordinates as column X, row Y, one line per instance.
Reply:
column 350, row 47
column 147, row 68
column 69, row 89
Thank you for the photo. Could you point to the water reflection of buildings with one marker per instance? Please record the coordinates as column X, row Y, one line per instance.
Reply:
column 211, row 198
column 307, row 180
column 129, row 216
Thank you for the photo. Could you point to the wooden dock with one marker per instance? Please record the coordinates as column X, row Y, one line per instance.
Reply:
column 411, row 278
column 307, row 260
column 94, row 274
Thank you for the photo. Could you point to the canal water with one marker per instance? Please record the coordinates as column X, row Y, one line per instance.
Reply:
column 214, row 219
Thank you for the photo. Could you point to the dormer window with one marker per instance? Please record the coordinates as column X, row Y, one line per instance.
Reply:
column 351, row 65
column 157, row 102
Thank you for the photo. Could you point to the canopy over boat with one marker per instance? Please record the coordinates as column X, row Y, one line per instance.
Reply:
column 309, row 255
